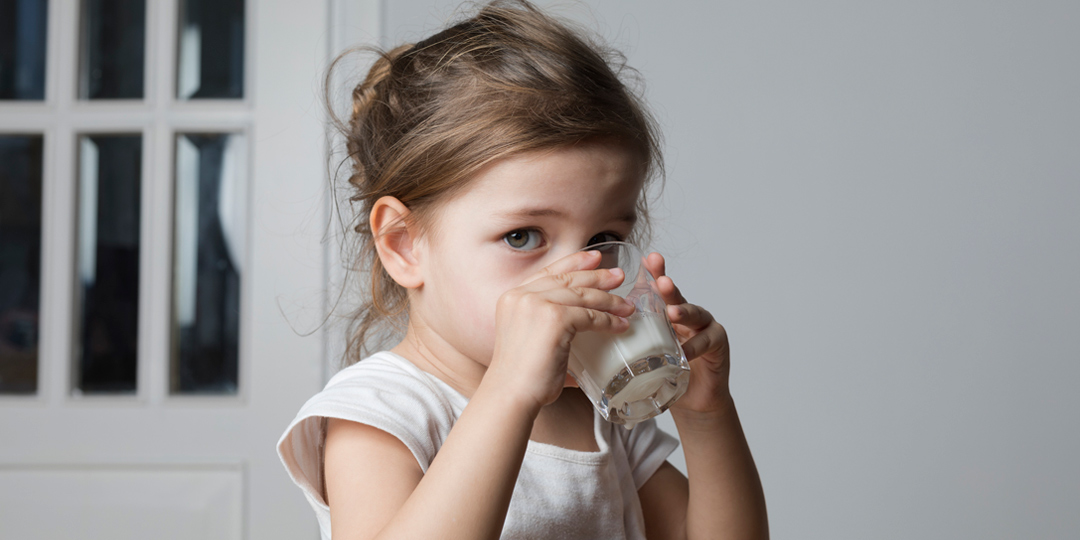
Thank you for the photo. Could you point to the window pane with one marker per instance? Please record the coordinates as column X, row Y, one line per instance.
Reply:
column 20, row 262
column 208, row 258
column 211, row 49
column 22, row 49
column 108, row 262
column 113, row 45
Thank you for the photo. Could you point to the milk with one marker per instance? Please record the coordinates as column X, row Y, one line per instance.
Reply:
column 633, row 375
column 603, row 355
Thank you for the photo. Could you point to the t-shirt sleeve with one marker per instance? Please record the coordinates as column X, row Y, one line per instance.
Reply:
column 378, row 395
column 647, row 447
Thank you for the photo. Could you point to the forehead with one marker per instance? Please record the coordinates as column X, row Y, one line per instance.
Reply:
column 594, row 178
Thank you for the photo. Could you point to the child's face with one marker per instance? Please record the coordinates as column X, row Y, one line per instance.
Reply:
column 518, row 216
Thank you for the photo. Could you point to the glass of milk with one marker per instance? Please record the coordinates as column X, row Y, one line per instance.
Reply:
column 637, row 374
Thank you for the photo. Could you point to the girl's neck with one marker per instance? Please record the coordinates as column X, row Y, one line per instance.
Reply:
column 566, row 423
column 429, row 352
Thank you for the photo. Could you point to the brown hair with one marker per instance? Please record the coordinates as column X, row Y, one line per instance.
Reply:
column 429, row 116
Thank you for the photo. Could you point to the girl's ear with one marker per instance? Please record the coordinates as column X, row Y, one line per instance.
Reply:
column 394, row 242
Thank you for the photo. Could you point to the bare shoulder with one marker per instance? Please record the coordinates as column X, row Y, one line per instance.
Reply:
column 369, row 474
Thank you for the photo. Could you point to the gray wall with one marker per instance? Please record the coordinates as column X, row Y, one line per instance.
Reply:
column 881, row 202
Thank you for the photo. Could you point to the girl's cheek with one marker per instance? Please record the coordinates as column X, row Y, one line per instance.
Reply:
column 478, row 306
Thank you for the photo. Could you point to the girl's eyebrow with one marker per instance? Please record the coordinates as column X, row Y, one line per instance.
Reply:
column 533, row 212
column 538, row 212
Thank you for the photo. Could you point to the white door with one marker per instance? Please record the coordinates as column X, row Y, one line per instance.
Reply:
column 163, row 206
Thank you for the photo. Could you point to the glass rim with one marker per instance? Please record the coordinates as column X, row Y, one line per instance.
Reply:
column 611, row 243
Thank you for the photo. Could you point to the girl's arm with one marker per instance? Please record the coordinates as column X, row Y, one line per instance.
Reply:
column 377, row 490
column 374, row 485
column 723, row 497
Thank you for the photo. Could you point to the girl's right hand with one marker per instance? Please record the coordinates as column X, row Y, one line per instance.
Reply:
column 535, row 322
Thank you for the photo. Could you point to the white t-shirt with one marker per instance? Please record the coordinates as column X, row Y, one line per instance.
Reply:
column 560, row 493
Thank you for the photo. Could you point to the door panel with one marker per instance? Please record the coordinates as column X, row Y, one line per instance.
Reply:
column 168, row 456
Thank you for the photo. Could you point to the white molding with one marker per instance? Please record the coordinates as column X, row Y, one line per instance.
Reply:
column 350, row 24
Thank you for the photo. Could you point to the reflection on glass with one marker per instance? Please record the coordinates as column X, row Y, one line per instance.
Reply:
column 211, row 49
column 113, row 45
column 108, row 262
column 208, row 257
column 22, row 49
column 20, row 261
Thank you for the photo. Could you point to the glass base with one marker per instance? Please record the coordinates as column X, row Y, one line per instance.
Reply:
column 644, row 389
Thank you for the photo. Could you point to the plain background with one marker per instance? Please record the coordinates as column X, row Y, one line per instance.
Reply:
column 881, row 203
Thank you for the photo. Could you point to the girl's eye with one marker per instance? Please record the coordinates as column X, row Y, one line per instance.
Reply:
column 522, row 239
column 603, row 237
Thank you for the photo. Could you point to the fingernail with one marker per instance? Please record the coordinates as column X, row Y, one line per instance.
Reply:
column 617, row 272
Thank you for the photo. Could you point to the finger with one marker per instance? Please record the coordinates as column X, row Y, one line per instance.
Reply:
column 588, row 298
column 579, row 260
column 600, row 278
column 694, row 318
column 713, row 338
column 586, row 320
column 655, row 264
column 668, row 291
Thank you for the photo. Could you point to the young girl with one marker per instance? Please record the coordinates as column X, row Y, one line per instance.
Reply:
column 485, row 158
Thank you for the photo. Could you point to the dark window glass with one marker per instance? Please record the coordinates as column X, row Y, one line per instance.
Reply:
column 211, row 50
column 22, row 49
column 108, row 262
column 208, row 256
column 20, row 261
column 113, row 48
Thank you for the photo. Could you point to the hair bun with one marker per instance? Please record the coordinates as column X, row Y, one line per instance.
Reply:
column 367, row 92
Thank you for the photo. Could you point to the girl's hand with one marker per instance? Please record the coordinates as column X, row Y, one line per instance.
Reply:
column 703, row 340
column 535, row 322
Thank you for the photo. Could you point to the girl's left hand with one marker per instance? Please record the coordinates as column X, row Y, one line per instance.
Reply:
column 703, row 340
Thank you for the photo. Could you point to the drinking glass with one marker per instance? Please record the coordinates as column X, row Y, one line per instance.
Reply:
column 637, row 374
